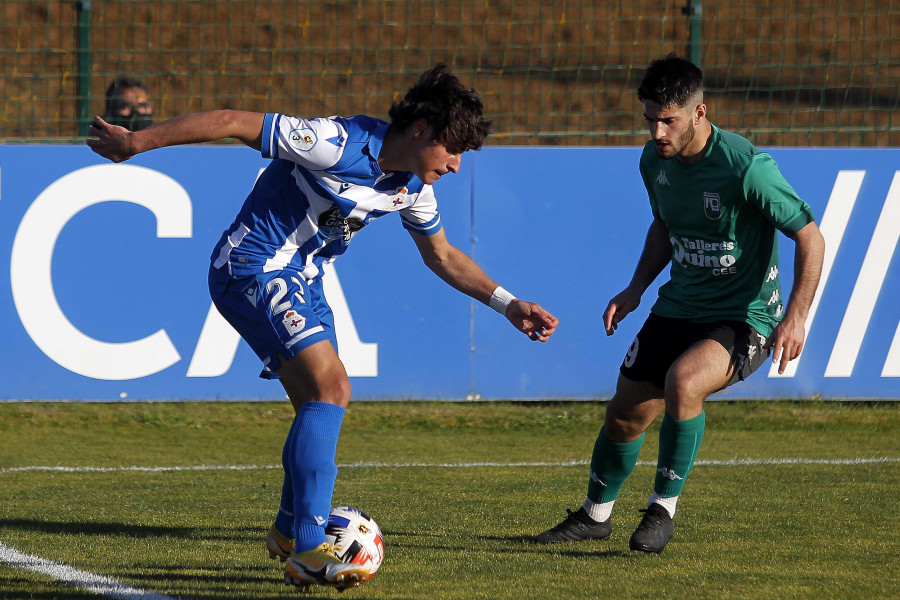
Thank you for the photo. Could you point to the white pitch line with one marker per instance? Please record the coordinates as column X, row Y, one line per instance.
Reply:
column 97, row 584
column 740, row 462
column 61, row 469
column 105, row 586
column 733, row 462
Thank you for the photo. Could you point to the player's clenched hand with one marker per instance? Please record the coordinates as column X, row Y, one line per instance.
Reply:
column 786, row 342
column 532, row 320
column 623, row 303
column 110, row 141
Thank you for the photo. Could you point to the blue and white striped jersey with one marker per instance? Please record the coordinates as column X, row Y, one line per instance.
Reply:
column 324, row 185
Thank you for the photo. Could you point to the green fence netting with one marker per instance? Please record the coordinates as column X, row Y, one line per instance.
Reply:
column 796, row 73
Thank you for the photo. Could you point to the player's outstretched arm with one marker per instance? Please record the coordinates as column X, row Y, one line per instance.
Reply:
column 789, row 336
column 457, row 269
column 117, row 143
column 531, row 319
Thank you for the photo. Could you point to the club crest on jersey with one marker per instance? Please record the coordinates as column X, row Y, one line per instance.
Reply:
column 302, row 139
column 398, row 199
column 712, row 205
column 294, row 322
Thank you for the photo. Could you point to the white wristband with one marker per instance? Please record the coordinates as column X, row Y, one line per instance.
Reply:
column 500, row 300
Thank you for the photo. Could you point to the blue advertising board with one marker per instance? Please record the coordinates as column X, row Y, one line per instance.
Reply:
column 106, row 296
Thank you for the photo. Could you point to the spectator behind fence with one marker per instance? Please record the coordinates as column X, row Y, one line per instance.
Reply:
column 128, row 104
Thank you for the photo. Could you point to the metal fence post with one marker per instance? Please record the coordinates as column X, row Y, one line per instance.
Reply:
column 83, row 67
column 694, row 12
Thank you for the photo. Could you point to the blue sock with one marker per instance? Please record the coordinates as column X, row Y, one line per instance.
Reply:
column 312, row 470
column 284, row 520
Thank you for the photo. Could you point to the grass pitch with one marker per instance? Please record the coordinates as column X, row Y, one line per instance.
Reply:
column 789, row 500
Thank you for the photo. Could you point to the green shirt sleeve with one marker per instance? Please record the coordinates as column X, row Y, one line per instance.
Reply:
column 768, row 191
column 654, row 202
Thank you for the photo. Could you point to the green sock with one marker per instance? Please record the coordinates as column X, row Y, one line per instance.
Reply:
column 679, row 442
column 611, row 464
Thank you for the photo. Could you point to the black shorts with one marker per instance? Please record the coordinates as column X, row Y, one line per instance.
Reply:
column 661, row 341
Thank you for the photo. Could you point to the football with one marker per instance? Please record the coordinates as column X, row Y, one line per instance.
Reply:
column 356, row 537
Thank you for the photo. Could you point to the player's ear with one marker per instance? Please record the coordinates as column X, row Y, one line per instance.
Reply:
column 699, row 113
column 420, row 129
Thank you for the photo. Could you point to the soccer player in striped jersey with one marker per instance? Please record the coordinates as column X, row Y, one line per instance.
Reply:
column 718, row 204
column 329, row 178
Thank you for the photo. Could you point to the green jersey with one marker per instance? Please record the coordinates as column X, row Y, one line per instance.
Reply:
column 723, row 214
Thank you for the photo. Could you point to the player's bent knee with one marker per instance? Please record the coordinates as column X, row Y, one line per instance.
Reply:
column 329, row 385
column 685, row 386
column 625, row 422
column 340, row 392
column 335, row 391
column 622, row 430
column 684, row 399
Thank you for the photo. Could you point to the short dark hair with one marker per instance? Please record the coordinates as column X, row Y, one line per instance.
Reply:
column 114, row 91
column 671, row 82
column 455, row 112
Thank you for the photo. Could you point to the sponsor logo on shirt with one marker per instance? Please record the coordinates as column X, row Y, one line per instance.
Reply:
column 661, row 179
column 333, row 225
column 712, row 205
column 704, row 254
column 302, row 139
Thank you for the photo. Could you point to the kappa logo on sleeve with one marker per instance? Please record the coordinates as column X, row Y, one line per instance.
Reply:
column 302, row 139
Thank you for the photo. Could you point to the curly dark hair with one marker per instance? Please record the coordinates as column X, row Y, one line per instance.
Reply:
column 671, row 82
column 455, row 112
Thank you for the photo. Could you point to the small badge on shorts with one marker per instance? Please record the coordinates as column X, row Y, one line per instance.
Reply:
column 751, row 351
column 294, row 322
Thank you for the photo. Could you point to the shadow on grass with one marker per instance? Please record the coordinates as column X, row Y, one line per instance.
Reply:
column 218, row 581
column 583, row 549
column 521, row 544
column 239, row 534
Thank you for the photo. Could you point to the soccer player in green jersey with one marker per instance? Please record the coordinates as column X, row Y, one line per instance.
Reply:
column 718, row 203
